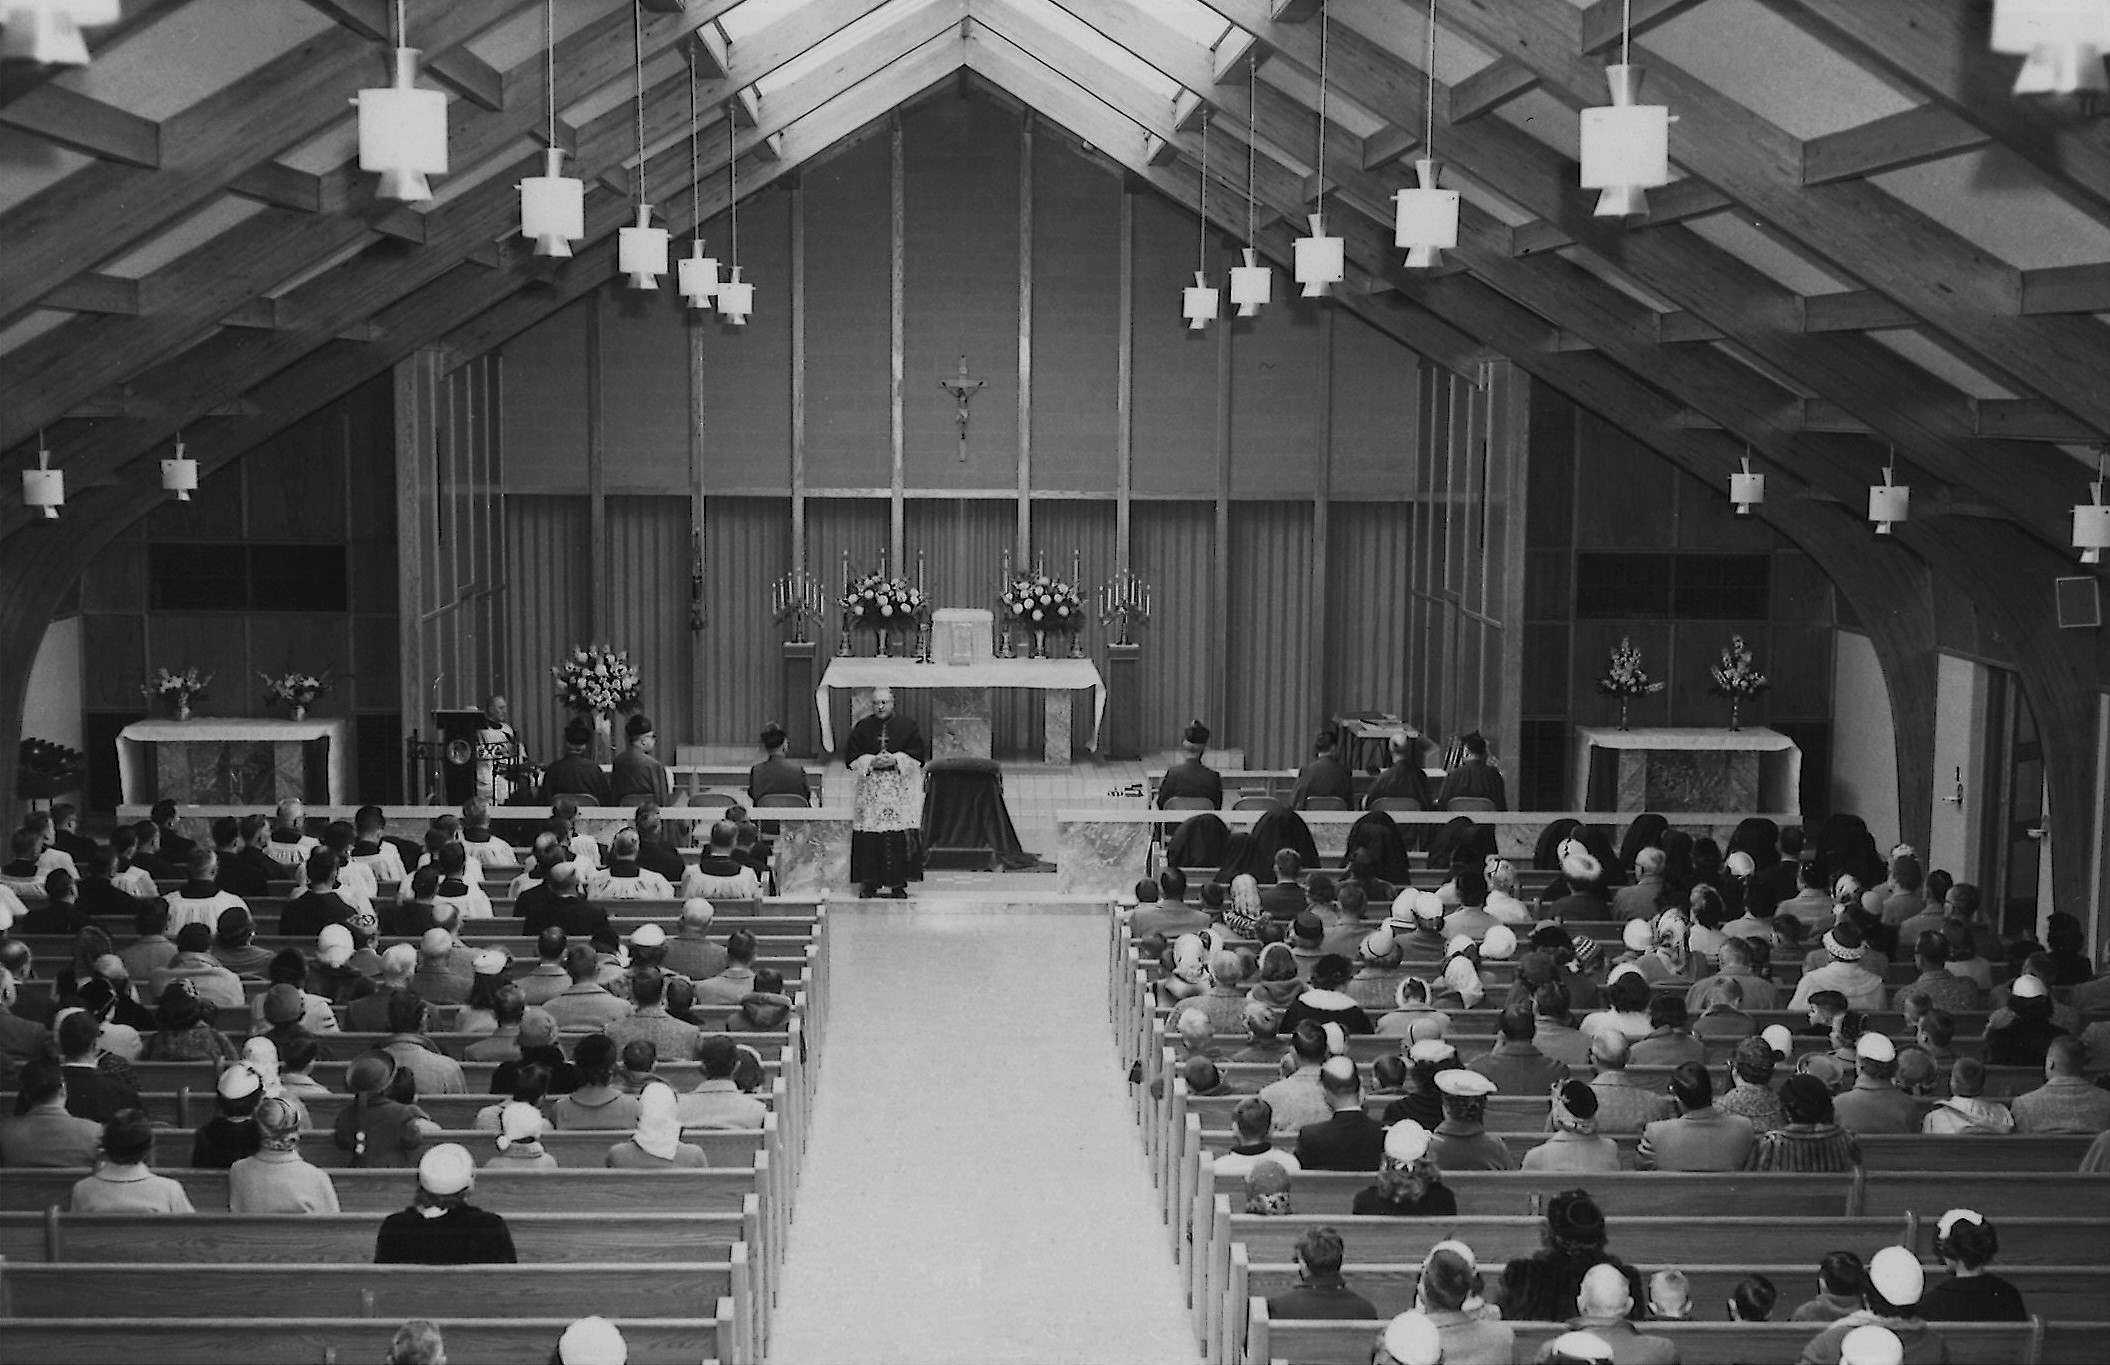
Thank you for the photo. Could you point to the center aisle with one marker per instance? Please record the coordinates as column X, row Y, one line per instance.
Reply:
column 974, row 1190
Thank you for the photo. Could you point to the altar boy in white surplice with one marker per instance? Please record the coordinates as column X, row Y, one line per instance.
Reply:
column 887, row 752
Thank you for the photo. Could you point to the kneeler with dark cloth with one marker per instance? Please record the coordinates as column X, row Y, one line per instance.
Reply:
column 964, row 812
column 887, row 755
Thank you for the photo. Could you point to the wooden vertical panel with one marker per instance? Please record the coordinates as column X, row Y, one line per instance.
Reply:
column 547, row 609
column 898, row 264
column 739, row 680
column 413, row 540
column 845, row 276
column 1124, row 391
column 647, row 608
column 1315, row 569
column 1271, row 708
column 1025, row 334
column 544, row 395
column 1367, row 596
column 1173, row 546
column 1220, row 575
column 964, row 540
column 798, row 379
column 712, row 606
column 1080, row 276
column 1174, row 386
column 596, row 466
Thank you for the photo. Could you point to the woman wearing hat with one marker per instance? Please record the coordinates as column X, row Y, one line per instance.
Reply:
column 231, row 1133
column 1752, row 1067
column 376, row 1128
column 1449, row 1291
column 277, row 1179
column 1966, row 1243
column 520, row 1128
column 480, row 1015
column 1427, row 1058
column 441, row 1226
column 1243, row 916
column 1461, row 1142
column 186, row 1033
column 1409, row 1185
column 1542, row 1286
column 1811, row 1141
column 1325, row 1001
column 657, row 1144
column 1575, row 1144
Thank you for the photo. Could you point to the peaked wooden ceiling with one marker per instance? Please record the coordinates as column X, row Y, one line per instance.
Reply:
column 1873, row 246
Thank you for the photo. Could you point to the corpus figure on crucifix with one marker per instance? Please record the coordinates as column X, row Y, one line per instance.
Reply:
column 963, row 391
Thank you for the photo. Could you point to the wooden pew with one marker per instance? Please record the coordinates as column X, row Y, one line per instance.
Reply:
column 573, row 1148
column 1699, row 1343
column 200, row 1076
column 506, row 1192
column 328, row 1341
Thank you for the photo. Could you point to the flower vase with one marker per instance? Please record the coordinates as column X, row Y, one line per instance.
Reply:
column 1040, row 644
column 1734, row 703
column 300, row 713
column 1622, row 713
column 885, row 643
column 604, row 734
column 183, row 708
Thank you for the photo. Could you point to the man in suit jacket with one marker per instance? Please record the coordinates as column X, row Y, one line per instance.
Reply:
column 1350, row 1140
column 1190, row 777
column 566, row 908
column 1702, row 1137
column 1285, row 899
column 1323, row 776
column 1321, row 1293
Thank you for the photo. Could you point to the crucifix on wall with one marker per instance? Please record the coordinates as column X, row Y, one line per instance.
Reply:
column 962, row 390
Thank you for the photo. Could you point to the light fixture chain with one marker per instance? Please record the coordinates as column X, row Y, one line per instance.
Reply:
column 732, row 175
column 1626, row 33
column 1252, row 142
column 637, row 49
column 1201, row 199
column 1320, row 206
column 1428, row 71
column 695, row 160
column 549, row 46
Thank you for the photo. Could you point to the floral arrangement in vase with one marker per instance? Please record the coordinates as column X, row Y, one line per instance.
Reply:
column 1042, row 601
column 297, row 691
column 45, row 768
column 882, row 602
column 1626, row 679
column 178, row 689
column 1736, row 676
column 598, row 679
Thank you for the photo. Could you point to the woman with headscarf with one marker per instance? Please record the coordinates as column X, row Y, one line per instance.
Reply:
column 1408, row 1183
column 1278, row 983
column 278, row 1179
column 1545, row 855
column 1576, row 1144
column 657, row 1144
column 1811, row 1141
column 260, row 1055
column 1267, row 1189
column 1450, row 842
column 1542, row 1287
column 1201, row 841
column 1459, row 985
column 519, row 1138
column 1244, row 915
column 186, row 1033
column 1581, row 891
column 1278, row 828
column 1189, row 973
column 1844, row 845
column 1646, row 831
column 1427, row 1058
column 1377, row 832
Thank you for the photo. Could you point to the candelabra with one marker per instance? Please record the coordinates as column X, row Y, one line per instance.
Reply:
column 922, row 615
column 797, row 597
column 1124, row 601
column 842, row 636
column 1003, row 612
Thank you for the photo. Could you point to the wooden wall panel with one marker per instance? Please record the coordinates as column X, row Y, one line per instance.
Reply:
column 1376, row 392
column 961, row 165
column 964, row 540
column 1064, row 528
column 1175, row 369
column 1273, row 712
column 747, row 369
column 296, row 493
column 648, row 606
column 548, row 581
column 1174, row 549
column 645, row 388
column 747, row 544
column 848, row 223
column 1076, row 318
column 214, row 512
column 1367, row 549
column 860, row 527
column 1278, row 400
column 544, row 403
column 216, row 643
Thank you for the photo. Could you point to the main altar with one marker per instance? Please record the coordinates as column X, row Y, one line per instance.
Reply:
column 962, row 704
column 1670, row 769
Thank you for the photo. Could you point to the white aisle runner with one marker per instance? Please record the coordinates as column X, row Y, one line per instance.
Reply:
column 974, row 1189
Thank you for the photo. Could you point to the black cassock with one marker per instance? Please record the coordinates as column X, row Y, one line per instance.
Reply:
column 889, row 857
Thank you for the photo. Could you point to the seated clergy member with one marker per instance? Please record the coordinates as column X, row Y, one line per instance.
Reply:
column 441, row 1227
column 635, row 771
column 625, row 879
column 656, row 850
column 576, row 774
column 1702, row 1137
column 1404, row 778
column 566, row 906
column 1349, row 1139
column 1474, row 776
column 200, row 900
column 1190, row 777
column 777, row 774
column 1323, row 776
column 289, row 844
column 1320, row 1291
column 483, row 847
column 718, row 874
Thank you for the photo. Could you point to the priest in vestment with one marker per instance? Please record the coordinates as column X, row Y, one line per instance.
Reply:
column 1404, row 778
column 495, row 777
column 1190, row 777
column 1475, row 777
column 887, row 752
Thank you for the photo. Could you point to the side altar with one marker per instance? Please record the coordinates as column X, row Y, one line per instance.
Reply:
column 235, row 762
column 1671, row 769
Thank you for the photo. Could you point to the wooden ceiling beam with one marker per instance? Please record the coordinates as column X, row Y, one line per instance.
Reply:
column 1295, row 11
column 1927, row 133
column 104, row 209
column 1939, row 48
column 1952, row 285
column 2067, row 289
column 280, row 185
column 460, row 70
column 1854, row 310
column 1180, row 58
column 83, row 123
column 2031, row 419
column 1604, row 21
column 97, row 294
column 1489, row 88
column 1681, row 201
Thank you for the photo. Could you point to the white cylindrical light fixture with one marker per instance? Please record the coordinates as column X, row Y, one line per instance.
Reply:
column 1321, row 261
column 1425, row 218
column 403, row 133
column 2091, row 527
column 1888, row 504
column 552, row 207
column 1198, row 303
column 49, row 31
column 1747, row 490
column 697, row 275
column 1625, row 146
column 2061, row 43
column 1252, row 284
column 736, row 299
column 44, row 489
column 641, row 251
column 179, row 475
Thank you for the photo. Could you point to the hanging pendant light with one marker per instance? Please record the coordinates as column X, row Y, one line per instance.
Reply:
column 179, row 473
column 2061, row 43
column 641, row 249
column 403, row 129
column 49, row 31
column 44, row 488
column 2091, row 519
column 1252, row 284
column 1198, row 302
column 1425, row 218
column 736, row 297
column 1321, row 261
column 1889, row 502
column 1626, row 145
column 1747, row 489
column 552, row 205
column 696, row 274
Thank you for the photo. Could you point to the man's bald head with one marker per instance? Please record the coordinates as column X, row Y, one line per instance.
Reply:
column 1605, row 1293
column 696, row 913
column 564, row 878
column 1195, row 1029
column 1608, row 1049
column 1649, row 861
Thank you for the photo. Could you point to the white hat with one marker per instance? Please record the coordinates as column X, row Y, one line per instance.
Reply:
column 1458, row 943
column 658, row 1127
column 1954, row 1216
column 1412, row 1339
column 1428, row 905
column 1637, row 935
column 1462, row 1082
column 400, row 960
column 1406, row 1142
column 1624, row 969
column 1779, row 1039
column 1461, row 977
column 592, row 1341
column 493, row 962
column 1336, row 1039
column 447, row 1169
column 1458, row 1249
column 239, row 1082
column 1581, row 1346
column 1405, row 905
column 647, row 936
column 2027, row 988
column 435, row 943
column 1896, row 1274
column 1498, row 943
column 7, row 918
column 333, row 946
column 1187, row 950
column 1431, row 1050
column 1871, row 1345
column 518, row 1122
column 1875, row 1047
column 1741, row 864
